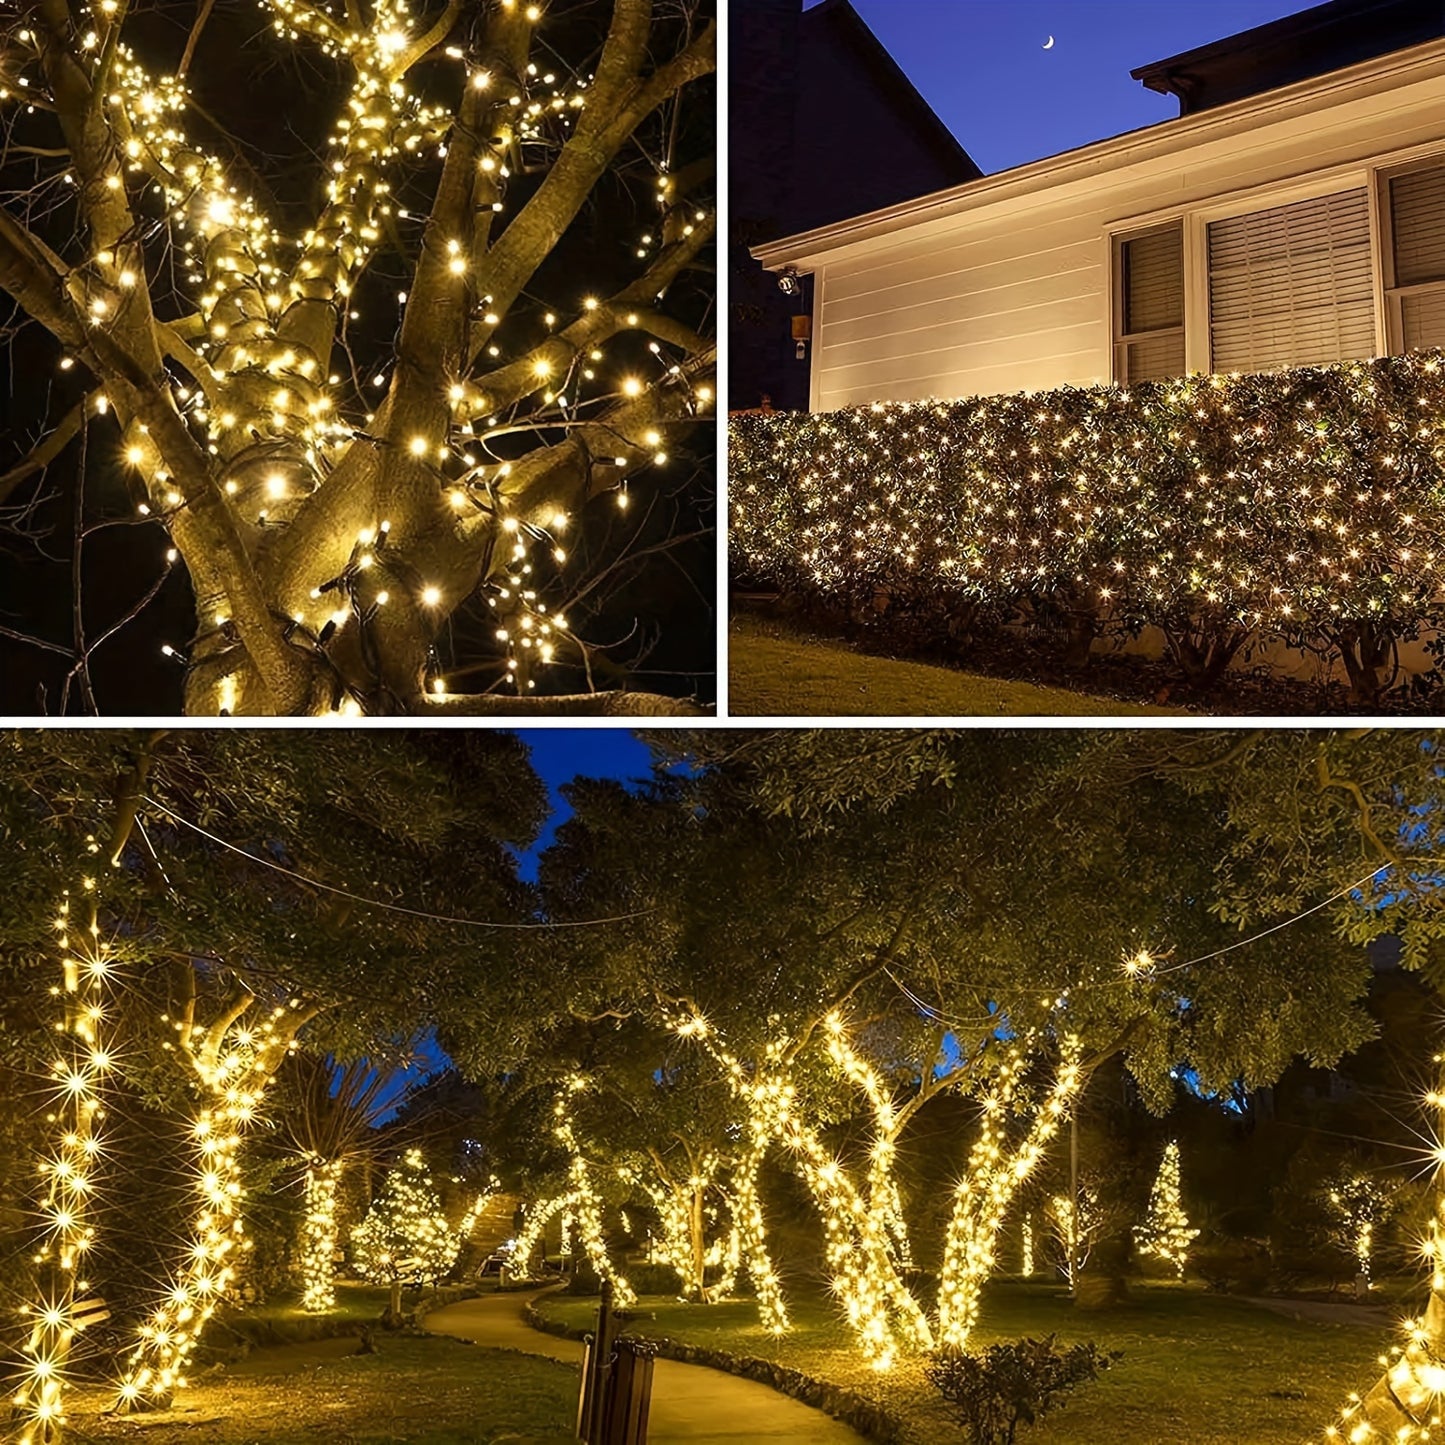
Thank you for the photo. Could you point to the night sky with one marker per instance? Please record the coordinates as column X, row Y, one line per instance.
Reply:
column 561, row 754
column 981, row 64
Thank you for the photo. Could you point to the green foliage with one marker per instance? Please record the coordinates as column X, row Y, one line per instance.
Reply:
column 1201, row 504
column 1013, row 1384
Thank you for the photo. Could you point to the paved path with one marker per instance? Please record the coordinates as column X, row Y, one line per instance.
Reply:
column 1328, row 1312
column 689, row 1402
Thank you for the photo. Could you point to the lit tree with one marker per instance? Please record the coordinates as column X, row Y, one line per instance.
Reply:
column 1358, row 1206
column 332, row 1115
column 405, row 1232
column 234, row 1059
column 237, row 961
column 923, row 883
column 1165, row 1232
column 68, row 1207
column 345, row 401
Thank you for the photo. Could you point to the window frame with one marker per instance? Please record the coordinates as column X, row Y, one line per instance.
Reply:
column 1120, row 340
column 1372, row 176
column 1392, row 294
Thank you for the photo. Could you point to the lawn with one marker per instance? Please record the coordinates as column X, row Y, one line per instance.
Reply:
column 774, row 671
column 419, row 1389
column 1198, row 1369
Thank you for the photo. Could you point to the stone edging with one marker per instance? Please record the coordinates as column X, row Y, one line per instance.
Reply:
column 866, row 1418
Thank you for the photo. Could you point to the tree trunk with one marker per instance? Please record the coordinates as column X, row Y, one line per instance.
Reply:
column 1405, row 1399
column 698, row 1236
column 1405, row 1396
column 1367, row 650
column 1101, row 1285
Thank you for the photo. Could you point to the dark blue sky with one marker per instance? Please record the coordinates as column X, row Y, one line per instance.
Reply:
column 981, row 64
column 561, row 754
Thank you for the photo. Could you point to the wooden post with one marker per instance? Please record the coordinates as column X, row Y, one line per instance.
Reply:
column 590, row 1418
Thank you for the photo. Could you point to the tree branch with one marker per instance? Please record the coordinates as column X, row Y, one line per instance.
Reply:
column 48, row 448
column 585, row 704
column 600, row 134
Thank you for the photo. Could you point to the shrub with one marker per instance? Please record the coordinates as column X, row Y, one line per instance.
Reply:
column 1304, row 505
column 1012, row 1384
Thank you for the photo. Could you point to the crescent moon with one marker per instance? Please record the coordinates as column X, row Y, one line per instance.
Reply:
column 1049, row 43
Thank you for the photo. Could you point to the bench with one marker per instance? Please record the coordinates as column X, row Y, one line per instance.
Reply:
column 410, row 1272
column 87, row 1312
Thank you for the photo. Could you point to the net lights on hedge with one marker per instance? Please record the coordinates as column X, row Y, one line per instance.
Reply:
column 68, row 1206
column 1294, row 502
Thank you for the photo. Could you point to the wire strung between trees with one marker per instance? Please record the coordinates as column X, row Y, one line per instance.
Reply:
column 1142, row 974
column 379, row 903
column 1275, row 928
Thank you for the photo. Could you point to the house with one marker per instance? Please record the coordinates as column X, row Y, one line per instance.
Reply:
column 1293, row 213
column 822, row 125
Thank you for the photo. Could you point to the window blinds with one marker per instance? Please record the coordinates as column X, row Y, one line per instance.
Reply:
column 1152, row 283
column 1417, row 219
column 1292, row 286
column 1417, row 225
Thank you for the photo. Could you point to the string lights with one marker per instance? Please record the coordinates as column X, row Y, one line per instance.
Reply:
column 319, row 1236
column 1359, row 1205
column 1407, row 1403
column 1165, row 1232
column 1298, row 504
column 580, row 1205
column 234, row 1060
column 865, row 1240
column 405, row 1231
column 681, row 1204
column 243, row 412
column 68, row 1206
column 995, row 1172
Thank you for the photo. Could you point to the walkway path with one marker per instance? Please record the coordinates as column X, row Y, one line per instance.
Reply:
column 1328, row 1312
column 689, row 1402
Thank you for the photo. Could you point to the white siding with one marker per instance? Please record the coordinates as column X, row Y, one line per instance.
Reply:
column 1011, row 292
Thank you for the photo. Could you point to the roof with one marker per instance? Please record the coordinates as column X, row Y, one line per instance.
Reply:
column 1419, row 62
column 1298, row 47
column 866, row 45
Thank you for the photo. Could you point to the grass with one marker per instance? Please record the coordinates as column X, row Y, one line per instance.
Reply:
column 281, row 1319
column 425, row 1390
column 775, row 671
column 1197, row 1367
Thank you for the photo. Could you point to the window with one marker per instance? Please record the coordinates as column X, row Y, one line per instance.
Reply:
column 1292, row 286
column 1415, row 276
column 1149, row 329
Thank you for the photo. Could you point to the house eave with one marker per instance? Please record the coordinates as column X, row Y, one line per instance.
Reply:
column 807, row 249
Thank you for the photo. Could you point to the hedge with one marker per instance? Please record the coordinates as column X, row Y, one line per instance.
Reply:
column 1306, row 505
